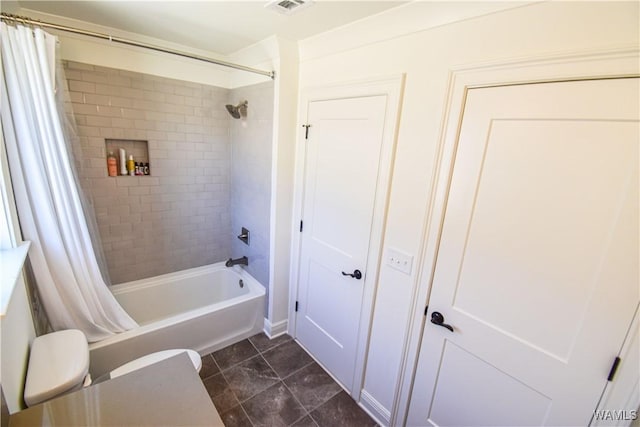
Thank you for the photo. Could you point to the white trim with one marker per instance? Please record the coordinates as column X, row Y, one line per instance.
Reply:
column 392, row 87
column 619, row 61
column 282, row 173
column 273, row 330
column 375, row 409
column 414, row 17
column 623, row 393
column 273, row 207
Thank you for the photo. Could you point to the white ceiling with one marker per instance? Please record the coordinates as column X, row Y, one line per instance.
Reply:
column 216, row 26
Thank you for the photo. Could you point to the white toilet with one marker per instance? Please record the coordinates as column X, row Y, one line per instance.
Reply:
column 59, row 364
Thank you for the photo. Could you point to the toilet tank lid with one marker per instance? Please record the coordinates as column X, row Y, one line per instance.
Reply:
column 58, row 362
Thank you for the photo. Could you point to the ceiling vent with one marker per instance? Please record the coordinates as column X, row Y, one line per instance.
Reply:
column 288, row 7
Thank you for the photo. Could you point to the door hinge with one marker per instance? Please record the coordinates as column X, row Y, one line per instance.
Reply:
column 306, row 131
column 296, row 306
column 301, row 224
column 425, row 310
column 614, row 368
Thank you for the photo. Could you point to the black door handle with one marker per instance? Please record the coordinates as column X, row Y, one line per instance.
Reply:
column 438, row 319
column 356, row 274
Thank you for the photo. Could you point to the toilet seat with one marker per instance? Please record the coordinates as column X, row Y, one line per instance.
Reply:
column 152, row 358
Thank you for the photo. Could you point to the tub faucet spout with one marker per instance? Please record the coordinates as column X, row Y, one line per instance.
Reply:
column 238, row 261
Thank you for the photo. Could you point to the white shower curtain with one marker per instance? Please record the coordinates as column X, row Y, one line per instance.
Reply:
column 72, row 289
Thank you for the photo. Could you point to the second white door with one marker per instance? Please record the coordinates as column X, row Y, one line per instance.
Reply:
column 342, row 164
column 536, row 281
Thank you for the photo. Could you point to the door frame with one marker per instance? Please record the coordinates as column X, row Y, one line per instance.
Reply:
column 392, row 87
column 567, row 66
column 618, row 394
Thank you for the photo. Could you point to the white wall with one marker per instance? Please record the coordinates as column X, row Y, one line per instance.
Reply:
column 380, row 46
column 282, row 224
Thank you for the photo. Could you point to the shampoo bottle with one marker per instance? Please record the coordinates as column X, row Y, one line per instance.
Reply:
column 131, row 165
column 123, row 162
column 112, row 164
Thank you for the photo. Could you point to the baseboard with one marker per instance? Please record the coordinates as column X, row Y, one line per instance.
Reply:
column 378, row 412
column 275, row 329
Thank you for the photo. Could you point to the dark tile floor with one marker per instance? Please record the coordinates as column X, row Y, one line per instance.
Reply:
column 264, row 382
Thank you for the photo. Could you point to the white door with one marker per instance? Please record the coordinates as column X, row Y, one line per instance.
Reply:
column 342, row 164
column 537, row 269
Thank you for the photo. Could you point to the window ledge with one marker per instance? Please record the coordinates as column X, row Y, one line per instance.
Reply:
column 11, row 263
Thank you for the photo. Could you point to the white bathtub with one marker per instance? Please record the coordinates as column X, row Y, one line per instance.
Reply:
column 204, row 308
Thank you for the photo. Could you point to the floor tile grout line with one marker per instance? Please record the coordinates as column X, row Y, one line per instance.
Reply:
column 324, row 370
column 244, row 360
column 217, row 366
column 270, row 348
column 240, row 402
column 244, row 411
column 216, row 363
column 252, row 345
column 307, row 412
column 254, row 395
column 314, row 420
column 259, row 353
column 280, row 379
column 235, row 364
column 246, row 414
column 285, row 386
column 332, row 396
column 271, row 367
column 300, row 369
column 312, row 360
column 299, row 403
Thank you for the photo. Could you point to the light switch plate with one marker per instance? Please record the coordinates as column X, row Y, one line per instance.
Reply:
column 399, row 260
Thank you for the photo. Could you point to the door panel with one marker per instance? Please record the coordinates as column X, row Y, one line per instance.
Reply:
column 343, row 156
column 553, row 249
column 537, row 266
column 525, row 403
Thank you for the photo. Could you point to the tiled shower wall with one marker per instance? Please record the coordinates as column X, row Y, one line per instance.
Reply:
column 179, row 216
column 251, row 145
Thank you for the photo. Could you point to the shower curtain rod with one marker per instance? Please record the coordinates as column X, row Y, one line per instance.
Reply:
column 29, row 21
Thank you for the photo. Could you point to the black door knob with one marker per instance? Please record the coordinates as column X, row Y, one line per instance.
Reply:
column 438, row 319
column 357, row 274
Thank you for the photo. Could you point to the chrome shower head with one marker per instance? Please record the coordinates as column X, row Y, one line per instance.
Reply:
column 239, row 110
column 233, row 110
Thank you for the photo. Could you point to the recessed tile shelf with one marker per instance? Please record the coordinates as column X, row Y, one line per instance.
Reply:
column 139, row 149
